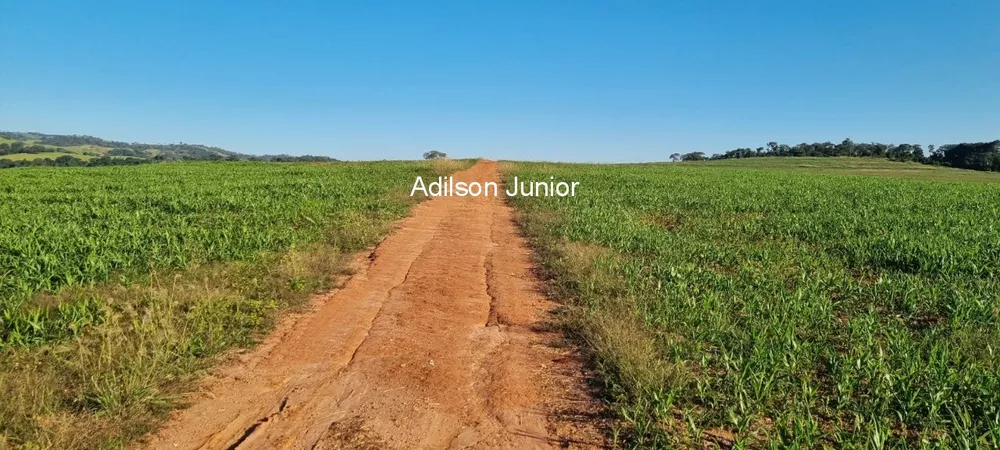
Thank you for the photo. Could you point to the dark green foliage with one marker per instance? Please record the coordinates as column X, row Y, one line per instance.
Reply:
column 434, row 154
column 289, row 158
column 21, row 147
column 976, row 156
column 693, row 156
column 69, row 160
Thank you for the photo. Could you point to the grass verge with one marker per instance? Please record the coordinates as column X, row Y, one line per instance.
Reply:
column 602, row 319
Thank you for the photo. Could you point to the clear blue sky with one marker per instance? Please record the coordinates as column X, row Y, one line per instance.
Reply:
column 556, row 80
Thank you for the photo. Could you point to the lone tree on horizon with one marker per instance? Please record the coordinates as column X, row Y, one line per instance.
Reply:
column 434, row 154
column 694, row 156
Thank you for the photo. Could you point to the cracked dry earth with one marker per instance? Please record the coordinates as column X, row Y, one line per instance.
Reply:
column 439, row 343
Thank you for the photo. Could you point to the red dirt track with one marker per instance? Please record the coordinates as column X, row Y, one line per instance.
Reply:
column 437, row 344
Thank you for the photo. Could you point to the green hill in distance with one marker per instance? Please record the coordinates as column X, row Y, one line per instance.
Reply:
column 21, row 145
column 40, row 149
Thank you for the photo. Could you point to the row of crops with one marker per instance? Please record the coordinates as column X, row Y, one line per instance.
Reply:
column 758, row 308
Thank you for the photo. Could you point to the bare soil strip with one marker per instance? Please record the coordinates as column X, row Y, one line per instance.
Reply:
column 437, row 343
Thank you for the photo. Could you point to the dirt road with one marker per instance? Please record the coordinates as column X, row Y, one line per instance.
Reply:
column 436, row 344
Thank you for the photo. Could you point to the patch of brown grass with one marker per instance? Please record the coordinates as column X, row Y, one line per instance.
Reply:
column 117, row 379
column 608, row 320
column 590, row 267
column 669, row 222
column 443, row 167
column 624, row 344
column 354, row 230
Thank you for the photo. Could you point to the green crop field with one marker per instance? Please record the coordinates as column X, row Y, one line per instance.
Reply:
column 773, row 303
column 117, row 284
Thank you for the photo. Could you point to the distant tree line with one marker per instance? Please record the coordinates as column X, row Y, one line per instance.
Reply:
column 70, row 161
column 289, row 158
column 20, row 147
column 693, row 156
column 976, row 156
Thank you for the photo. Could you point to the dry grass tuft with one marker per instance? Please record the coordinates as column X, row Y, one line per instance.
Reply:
column 669, row 222
column 445, row 167
column 610, row 324
column 625, row 345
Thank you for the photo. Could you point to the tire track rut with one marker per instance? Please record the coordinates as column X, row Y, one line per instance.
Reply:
column 437, row 344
